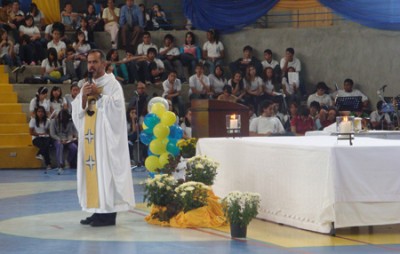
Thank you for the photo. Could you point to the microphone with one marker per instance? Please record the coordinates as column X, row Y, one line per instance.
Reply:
column 90, row 77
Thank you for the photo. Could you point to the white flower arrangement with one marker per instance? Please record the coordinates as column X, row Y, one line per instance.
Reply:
column 241, row 207
column 201, row 169
column 159, row 190
column 192, row 195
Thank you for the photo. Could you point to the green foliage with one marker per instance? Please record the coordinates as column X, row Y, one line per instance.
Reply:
column 240, row 208
column 201, row 169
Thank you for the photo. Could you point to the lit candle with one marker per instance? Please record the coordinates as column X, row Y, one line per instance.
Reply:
column 233, row 123
column 345, row 126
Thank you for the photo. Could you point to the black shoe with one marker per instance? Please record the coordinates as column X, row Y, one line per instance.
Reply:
column 88, row 220
column 104, row 219
column 100, row 223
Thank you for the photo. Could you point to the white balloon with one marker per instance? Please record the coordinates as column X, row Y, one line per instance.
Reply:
column 156, row 100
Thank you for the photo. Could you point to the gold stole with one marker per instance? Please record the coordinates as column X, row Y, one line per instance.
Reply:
column 92, row 188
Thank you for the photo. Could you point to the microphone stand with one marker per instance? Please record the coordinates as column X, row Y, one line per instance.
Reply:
column 138, row 163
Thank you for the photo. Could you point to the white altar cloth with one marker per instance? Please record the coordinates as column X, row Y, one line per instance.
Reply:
column 312, row 182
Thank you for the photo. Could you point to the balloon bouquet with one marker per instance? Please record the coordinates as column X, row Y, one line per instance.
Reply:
column 160, row 133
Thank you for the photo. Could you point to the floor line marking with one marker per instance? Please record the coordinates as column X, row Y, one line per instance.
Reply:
column 370, row 244
column 247, row 240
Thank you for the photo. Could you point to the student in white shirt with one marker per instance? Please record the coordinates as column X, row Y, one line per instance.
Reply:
column 145, row 45
column 172, row 91
column 111, row 18
column 199, row 84
column 170, row 56
column 380, row 120
column 349, row 91
column 213, row 50
column 266, row 124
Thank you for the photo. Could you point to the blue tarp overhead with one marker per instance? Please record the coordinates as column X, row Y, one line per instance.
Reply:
column 225, row 15
column 381, row 14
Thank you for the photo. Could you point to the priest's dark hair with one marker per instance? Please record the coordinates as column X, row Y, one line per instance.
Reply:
column 102, row 55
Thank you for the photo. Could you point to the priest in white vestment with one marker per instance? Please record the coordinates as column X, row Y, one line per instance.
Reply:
column 103, row 171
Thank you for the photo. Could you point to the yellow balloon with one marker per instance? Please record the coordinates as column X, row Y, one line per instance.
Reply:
column 161, row 131
column 164, row 159
column 168, row 118
column 157, row 147
column 158, row 109
column 144, row 126
column 165, row 141
column 152, row 163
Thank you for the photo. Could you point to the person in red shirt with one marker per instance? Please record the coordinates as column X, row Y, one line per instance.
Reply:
column 302, row 123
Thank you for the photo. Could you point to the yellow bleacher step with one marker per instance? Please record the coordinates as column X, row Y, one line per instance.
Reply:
column 12, row 118
column 15, row 140
column 14, row 128
column 6, row 88
column 8, row 97
column 3, row 77
column 19, row 157
column 10, row 108
column 2, row 68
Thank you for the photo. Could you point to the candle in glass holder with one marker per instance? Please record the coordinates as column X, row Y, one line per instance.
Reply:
column 233, row 123
column 345, row 126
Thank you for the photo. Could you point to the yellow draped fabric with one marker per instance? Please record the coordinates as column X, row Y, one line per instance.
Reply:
column 50, row 9
column 92, row 188
column 306, row 13
column 209, row 216
column 297, row 4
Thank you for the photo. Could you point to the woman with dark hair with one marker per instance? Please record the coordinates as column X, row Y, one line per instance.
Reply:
column 190, row 52
column 64, row 134
column 213, row 50
column 94, row 20
column 217, row 82
column 148, row 24
column 38, row 17
column 302, row 123
column 120, row 71
column 159, row 18
column 31, row 47
column 238, row 89
column 81, row 45
column 186, row 125
column 227, row 94
column 40, row 99
column 253, row 85
column 57, row 102
column 321, row 95
column 52, row 69
column 39, row 130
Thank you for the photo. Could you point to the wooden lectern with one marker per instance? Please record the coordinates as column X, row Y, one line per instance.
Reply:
column 209, row 118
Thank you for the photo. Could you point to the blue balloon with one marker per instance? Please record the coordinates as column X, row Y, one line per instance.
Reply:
column 148, row 131
column 151, row 174
column 173, row 149
column 151, row 120
column 146, row 138
column 175, row 132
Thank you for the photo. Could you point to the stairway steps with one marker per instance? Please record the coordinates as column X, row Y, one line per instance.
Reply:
column 15, row 140
column 13, row 118
column 14, row 128
column 10, row 108
column 8, row 97
column 19, row 158
column 6, row 88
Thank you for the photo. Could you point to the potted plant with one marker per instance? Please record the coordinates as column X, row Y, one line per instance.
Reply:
column 159, row 192
column 187, row 147
column 240, row 208
column 201, row 169
column 192, row 195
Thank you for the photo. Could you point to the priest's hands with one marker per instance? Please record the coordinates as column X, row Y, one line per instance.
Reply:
column 90, row 89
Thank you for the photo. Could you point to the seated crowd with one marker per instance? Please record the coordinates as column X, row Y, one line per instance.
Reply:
column 273, row 90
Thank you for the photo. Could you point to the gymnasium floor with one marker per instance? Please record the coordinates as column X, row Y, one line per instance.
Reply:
column 40, row 214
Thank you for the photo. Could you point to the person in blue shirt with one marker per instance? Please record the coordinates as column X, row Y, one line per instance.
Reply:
column 131, row 23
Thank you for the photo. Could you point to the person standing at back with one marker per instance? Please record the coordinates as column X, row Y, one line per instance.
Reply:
column 103, row 167
column 131, row 24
